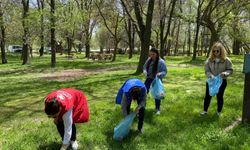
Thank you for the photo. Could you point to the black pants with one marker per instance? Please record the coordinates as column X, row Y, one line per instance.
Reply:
column 140, row 117
column 157, row 101
column 60, row 129
column 219, row 96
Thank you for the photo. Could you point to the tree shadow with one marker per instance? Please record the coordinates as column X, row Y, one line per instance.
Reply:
column 49, row 146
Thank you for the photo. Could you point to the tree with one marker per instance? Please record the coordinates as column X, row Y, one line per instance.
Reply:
column 143, row 28
column 2, row 37
column 40, row 4
column 216, row 14
column 198, row 18
column 25, row 21
column 113, row 25
column 52, row 32
column 87, row 25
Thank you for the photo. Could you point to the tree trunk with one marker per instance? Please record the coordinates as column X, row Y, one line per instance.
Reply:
column 25, row 51
column 130, row 38
column 115, row 49
column 169, row 42
column 236, row 47
column 197, row 30
column 145, row 32
column 40, row 4
column 165, row 47
column 52, row 32
column 177, row 38
column 87, row 49
column 3, row 55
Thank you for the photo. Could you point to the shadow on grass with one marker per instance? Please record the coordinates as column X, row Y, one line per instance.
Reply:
column 50, row 146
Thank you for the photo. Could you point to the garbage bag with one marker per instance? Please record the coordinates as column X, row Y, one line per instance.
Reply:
column 214, row 85
column 157, row 89
column 122, row 129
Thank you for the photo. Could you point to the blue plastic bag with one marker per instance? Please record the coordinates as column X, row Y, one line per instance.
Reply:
column 214, row 85
column 157, row 89
column 122, row 129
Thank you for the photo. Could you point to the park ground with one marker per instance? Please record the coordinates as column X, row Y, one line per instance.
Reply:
column 24, row 125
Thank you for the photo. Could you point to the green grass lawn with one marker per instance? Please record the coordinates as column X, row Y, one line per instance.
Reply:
column 24, row 125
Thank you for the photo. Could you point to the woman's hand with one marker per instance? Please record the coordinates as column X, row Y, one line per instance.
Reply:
column 158, row 74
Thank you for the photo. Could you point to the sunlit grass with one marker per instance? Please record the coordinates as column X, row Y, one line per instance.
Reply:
column 23, row 124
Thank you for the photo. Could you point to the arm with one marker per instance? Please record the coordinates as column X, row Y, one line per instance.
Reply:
column 162, row 69
column 207, row 70
column 229, row 69
column 68, row 121
column 124, row 104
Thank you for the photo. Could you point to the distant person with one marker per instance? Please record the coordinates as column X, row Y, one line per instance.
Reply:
column 154, row 66
column 133, row 89
column 67, row 107
column 217, row 64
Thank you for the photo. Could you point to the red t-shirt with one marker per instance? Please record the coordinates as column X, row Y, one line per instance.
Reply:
column 71, row 99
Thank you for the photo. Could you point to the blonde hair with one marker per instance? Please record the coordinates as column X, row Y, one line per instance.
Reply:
column 219, row 46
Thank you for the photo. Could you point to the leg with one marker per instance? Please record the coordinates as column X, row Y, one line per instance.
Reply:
column 157, row 104
column 141, row 118
column 148, row 83
column 220, row 99
column 128, row 109
column 73, row 135
column 207, row 98
column 60, row 128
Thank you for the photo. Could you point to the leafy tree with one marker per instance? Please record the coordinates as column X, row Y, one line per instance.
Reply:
column 143, row 28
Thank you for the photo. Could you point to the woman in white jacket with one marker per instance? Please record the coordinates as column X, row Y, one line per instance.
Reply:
column 217, row 64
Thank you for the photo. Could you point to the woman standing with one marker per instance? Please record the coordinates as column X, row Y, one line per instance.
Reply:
column 154, row 66
column 217, row 64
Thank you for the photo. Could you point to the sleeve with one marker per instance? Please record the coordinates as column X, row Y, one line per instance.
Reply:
column 162, row 69
column 124, row 104
column 229, row 68
column 207, row 69
column 68, row 121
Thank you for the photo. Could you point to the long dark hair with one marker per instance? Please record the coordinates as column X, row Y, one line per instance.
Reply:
column 155, row 67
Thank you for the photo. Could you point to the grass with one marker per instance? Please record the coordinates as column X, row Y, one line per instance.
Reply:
column 24, row 125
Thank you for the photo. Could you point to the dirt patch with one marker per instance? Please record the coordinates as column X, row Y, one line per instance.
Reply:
column 71, row 74
column 65, row 75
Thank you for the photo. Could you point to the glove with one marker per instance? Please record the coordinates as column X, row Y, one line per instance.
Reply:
column 64, row 146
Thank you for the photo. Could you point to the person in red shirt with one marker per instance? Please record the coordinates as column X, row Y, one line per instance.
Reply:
column 67, row 107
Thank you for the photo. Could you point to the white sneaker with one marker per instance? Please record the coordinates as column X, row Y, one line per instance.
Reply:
column 218, row 114
column 141, row 131
column 74, row 145
column 204, row 113
column 158, row 112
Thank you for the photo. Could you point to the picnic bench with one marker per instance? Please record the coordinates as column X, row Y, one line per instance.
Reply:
column 101, row 56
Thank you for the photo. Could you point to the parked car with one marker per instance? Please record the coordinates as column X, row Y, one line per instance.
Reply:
column 15, row 48
column 47, row 49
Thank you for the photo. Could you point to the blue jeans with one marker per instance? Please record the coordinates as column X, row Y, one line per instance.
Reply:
column 157, row 101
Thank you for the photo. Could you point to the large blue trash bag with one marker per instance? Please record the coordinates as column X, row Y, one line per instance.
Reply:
column 122, row 129
column 157, row 89
column 214, row 85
